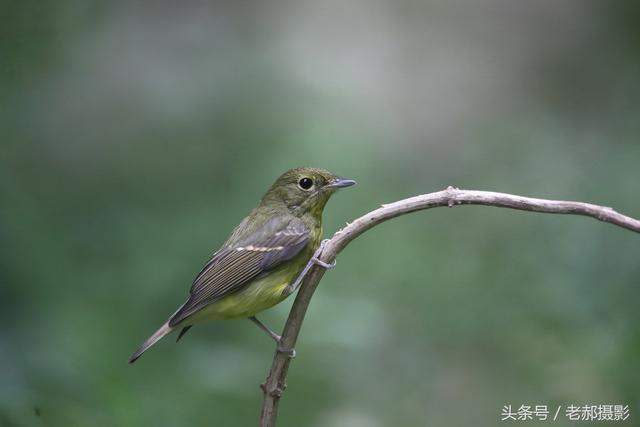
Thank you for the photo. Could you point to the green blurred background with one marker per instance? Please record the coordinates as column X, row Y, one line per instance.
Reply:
column 135, row 136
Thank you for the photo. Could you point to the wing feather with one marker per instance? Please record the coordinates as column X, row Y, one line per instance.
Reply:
column 233, row 266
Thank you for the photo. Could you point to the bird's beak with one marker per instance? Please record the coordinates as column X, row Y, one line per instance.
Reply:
column 340, row 183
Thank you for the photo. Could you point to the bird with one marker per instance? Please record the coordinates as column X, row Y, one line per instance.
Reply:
column 264, row 258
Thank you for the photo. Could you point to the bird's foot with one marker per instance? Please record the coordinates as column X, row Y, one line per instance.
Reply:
column 291, row 352
column 265, row 328
column 318, row 252
column 314, row 260
column 324, row 264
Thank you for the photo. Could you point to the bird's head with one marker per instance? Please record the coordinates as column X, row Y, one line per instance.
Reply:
column 305, row 190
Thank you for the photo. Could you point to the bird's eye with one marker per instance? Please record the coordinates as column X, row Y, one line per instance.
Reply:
column 305, row 183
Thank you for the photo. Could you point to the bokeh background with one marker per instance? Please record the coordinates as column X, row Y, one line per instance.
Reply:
column 136, row 135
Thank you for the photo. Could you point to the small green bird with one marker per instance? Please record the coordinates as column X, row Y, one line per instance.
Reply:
column 262, row 262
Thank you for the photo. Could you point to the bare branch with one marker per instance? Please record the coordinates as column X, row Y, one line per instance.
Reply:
column 275, row 382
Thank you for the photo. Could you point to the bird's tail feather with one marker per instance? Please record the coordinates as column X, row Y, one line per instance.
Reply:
column 164, row 330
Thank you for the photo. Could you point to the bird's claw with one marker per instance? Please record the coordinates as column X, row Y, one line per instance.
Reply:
column 314, row 260
column 324, row 264
column 291, row 352
column 318, row 252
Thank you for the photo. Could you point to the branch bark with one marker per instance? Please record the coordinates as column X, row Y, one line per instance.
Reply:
column 275, row 382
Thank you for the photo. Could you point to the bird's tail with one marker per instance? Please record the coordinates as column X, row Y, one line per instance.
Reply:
column 164, row 330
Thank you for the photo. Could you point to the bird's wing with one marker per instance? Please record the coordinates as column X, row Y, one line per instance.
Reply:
column 233, row 266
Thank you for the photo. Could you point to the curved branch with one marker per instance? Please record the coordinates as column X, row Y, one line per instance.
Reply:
column 275, row 382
